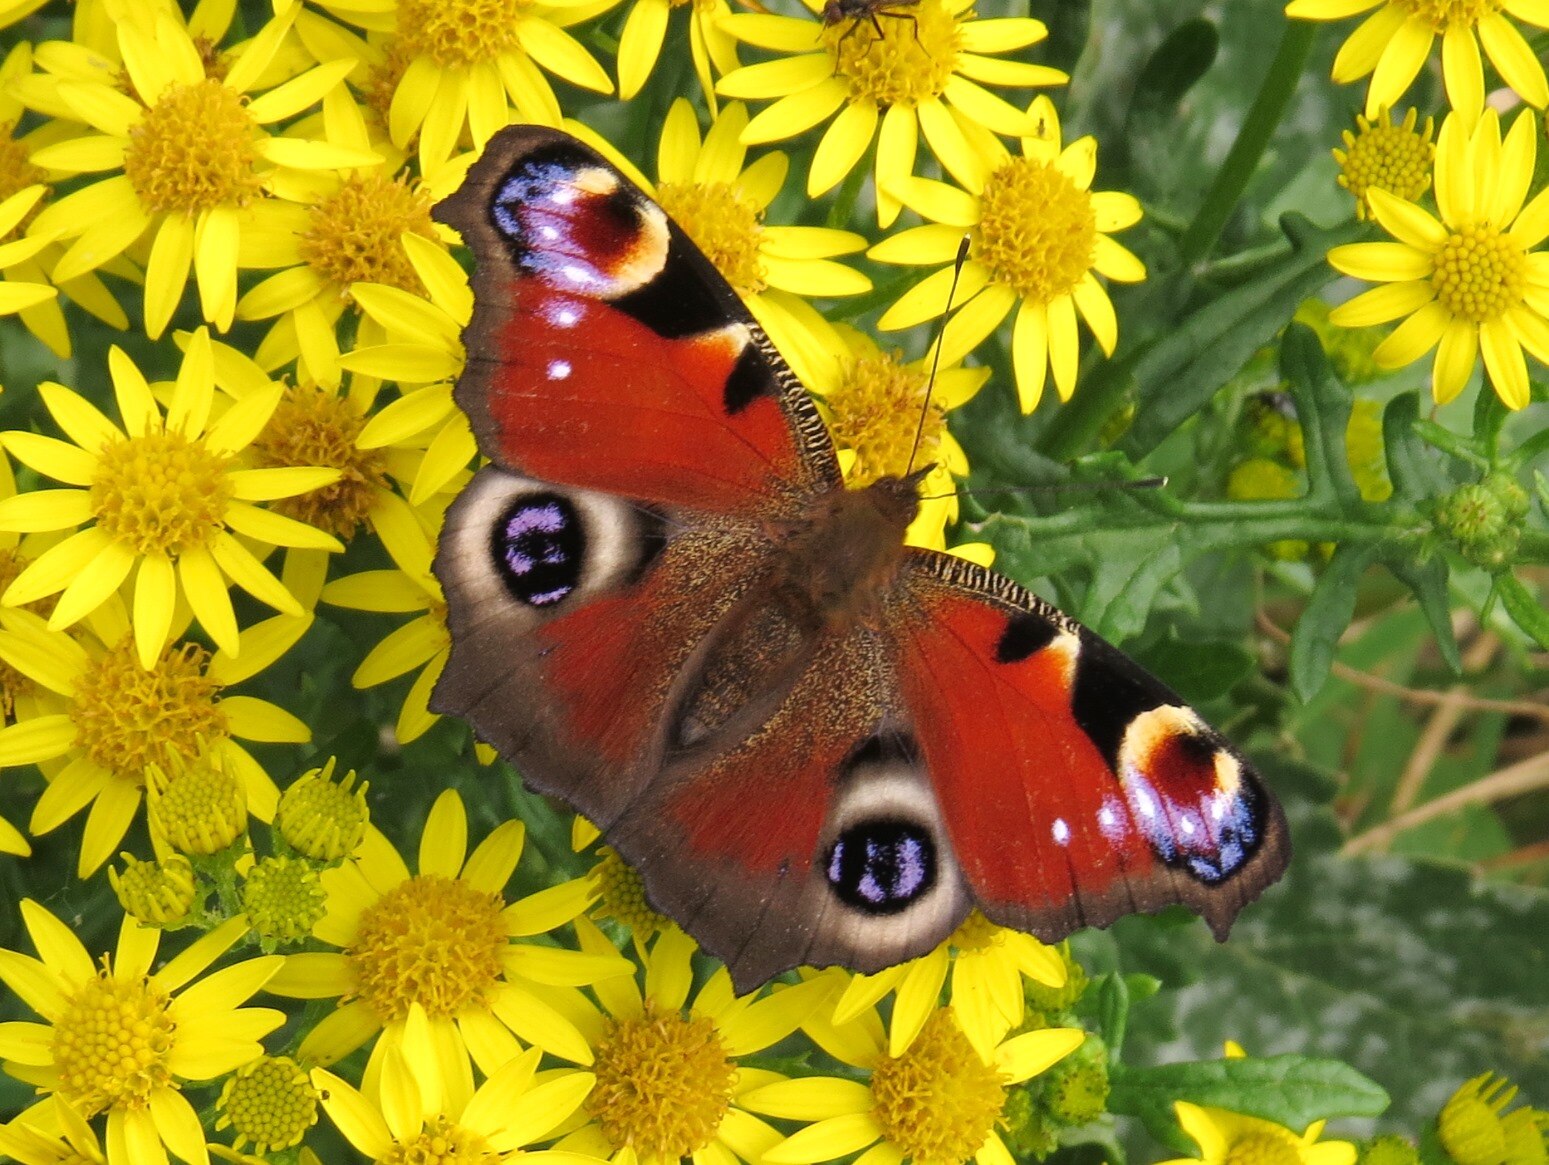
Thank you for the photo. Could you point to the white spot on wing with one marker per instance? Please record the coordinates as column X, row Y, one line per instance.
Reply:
column 559, row 369
column 1061, row 831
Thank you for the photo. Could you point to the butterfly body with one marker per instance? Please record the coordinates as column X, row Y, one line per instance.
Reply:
column 818, row 745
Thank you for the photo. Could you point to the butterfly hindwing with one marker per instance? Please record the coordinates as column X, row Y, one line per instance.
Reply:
column 605, row 351
column 1101, row 794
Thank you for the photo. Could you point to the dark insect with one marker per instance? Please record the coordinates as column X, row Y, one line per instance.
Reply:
column 856, row 11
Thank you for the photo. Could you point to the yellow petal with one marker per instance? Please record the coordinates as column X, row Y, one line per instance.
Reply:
column 155, row 597
column 1381, row 262
column 1504, row 362
column 1455, row 358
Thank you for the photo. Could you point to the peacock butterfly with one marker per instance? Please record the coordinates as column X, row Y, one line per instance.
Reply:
column 817, row 744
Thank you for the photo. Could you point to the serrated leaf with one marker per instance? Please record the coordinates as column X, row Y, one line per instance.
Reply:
column 1292, row 1091
column 1327, row 615
column 1323, row 411
column 1428, row 581
column 1524, row 607
column 1179, row 373
column 1412, row 468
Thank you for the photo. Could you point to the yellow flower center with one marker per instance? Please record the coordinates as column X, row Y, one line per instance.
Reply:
column 111, row 1044
column 726, row 225
column 1268, row 1146
column 200, row 808
column 1037, row 229
column 664, row 1083
column 193, row 150
column 128, row 719
column 1439, row 14
column 459, row 33
column 875, row 411
column 1479, row 274
column 321, row 818
column 442, row 1143
column 270, row 1103
column 160, row 493
column 976, row 933
column 312, row 426
column 1395, row 158
column 431, row 940
column 939, row 1101
column 623, row 895
column 355, row 234
column 283, row 899
column 908, row 61
column 155, row 893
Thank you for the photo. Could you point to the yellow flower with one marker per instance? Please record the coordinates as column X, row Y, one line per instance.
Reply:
column 939, row 1101
column 1384, row 156
column 1039, row 237
column 117, row 719
column 712, row 48
column 1470, row 283
column 875, row 406
column 324, row 231
column 164, row 495
column 442, row 940
column 891, row 81
column 119, row 1040
column 668, row 1082
column 720, row 203
column 1226, row 1138
column 409, row 1117
column 187, row 151
column 1393, row 44
column 468, row 65
column 986, row 964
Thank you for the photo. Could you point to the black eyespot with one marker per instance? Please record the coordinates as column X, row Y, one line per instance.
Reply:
column 882, row 866
column 539, row 548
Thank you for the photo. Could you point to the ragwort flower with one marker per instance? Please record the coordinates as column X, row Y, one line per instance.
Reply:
column 668, row 1084
column 117, row 719
column 460, row 66
column 442, row 940
column 1470, row 282
column 986, row 964
column 1227, row 1137
column 186, row 150
column 939, row 1100
column 408, row 1118
column 164, row 496
column 891, row 80
column 1382, row 156
column 119, row 1040
column 1394, row 42
column 1039, row 237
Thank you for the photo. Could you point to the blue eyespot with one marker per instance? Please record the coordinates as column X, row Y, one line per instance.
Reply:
column 539, row 549
column 881, row 866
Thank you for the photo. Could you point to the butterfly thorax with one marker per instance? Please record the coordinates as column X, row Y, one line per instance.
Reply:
column 843, row 558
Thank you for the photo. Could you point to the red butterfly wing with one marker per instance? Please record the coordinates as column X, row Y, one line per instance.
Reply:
column 1076, row 788
column 605, row 351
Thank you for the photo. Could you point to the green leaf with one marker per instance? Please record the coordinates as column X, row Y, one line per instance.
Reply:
column 1180, row 372
column 1327, row 615
column 1322, row 410
column 1113, row 1012
column 1173, row 69
column 1292, row 1091
column 1524, row 608
column 1412, row 468
column 1428, row 580
column 1200, row 669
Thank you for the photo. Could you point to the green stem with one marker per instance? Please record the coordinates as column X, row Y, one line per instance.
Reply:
column 1257, row 128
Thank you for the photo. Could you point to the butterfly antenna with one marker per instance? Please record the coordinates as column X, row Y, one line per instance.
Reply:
column 935, row 362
